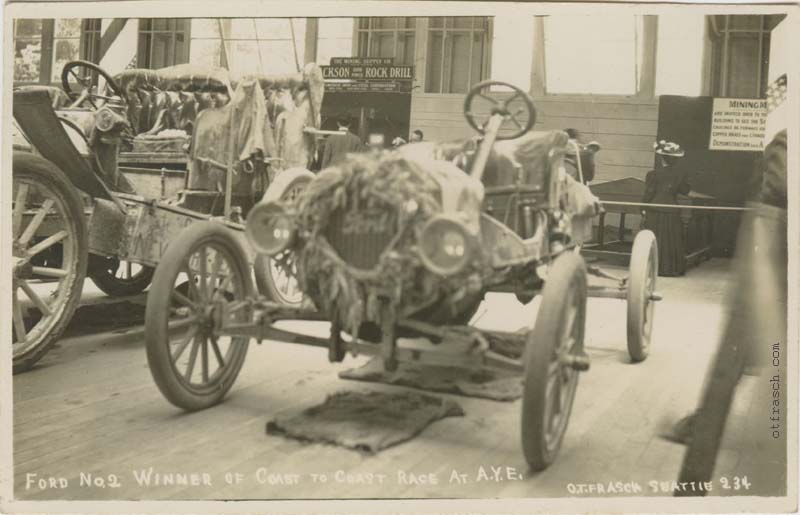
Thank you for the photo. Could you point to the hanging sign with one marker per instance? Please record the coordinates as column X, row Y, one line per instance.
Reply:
column 367, row 74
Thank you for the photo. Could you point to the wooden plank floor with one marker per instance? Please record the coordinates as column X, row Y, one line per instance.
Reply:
column 92, row 408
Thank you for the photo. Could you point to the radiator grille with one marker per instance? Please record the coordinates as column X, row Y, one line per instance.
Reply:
column 359, row 237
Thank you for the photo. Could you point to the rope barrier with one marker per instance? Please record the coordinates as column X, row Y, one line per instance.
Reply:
column 674, row 206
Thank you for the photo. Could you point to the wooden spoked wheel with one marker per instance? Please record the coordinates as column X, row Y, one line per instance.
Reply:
column 550, row 379
column 641, row 286
column 276, row 278
column 201, row 286
column 49, row 256
column 119, row 278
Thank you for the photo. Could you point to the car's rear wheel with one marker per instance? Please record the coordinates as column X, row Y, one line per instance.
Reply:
column 49, row 256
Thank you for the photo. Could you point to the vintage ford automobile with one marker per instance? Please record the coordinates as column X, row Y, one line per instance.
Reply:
column 76, row 213
column 388, row 245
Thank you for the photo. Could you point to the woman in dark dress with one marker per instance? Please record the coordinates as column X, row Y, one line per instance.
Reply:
column 662, row 186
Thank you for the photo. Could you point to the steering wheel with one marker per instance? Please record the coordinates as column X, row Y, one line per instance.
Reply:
column 87, row 81
column 500, row 106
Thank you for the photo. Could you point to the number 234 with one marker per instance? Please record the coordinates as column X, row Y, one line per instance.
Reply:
column 735, row 483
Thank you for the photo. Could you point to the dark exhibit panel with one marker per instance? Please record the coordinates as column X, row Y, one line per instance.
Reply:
column 729, row 176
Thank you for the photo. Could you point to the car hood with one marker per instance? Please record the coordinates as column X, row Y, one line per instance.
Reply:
column 461, row 195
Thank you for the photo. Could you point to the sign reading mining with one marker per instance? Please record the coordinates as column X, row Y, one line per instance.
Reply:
column 738, row 124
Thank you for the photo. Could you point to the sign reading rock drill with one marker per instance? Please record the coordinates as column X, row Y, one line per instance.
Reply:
column 738, row 124
column 371, row 72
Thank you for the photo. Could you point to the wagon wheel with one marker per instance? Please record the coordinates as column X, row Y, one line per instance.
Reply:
column 641, row 286
column 49, row 256
column 119, row 278
column 88, row 81
column 276, row 278
column 204, row 280
column 550, row 379
column 508, row 107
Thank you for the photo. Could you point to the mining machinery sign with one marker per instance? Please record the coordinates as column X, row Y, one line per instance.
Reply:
column 367, row 74
column 738, row 124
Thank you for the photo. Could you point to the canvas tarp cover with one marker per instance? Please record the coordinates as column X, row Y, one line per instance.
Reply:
column 232, row 133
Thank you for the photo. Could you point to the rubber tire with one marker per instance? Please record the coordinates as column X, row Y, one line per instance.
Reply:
column 36, row 168
column 285, row 180
column 644, row 261
column 157, row 314
column 567, row 272
column 115, row 287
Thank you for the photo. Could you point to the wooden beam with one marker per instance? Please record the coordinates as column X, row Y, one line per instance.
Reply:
column 538, row 77
column 420, row 57
column 311, row 39
column 110, row 36
column 647, row 75
column 46, row 63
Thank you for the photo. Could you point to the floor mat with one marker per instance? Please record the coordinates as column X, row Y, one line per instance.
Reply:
column 366, row 421
column 483, row 384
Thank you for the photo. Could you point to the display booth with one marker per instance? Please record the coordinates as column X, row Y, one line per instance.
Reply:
column 723, row 141
column 373, row 92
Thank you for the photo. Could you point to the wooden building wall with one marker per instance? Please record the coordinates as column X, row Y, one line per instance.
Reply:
column 625, row 126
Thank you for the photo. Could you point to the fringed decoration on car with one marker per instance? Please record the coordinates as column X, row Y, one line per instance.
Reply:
column 358, row 225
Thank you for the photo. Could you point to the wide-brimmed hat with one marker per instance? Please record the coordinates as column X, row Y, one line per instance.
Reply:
column 668, row 148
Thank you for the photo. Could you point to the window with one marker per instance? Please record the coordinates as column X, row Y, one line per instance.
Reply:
column 27, row 50
column 334, row 39
column 740, row 54
column 163, row 42
column 43, row 47
column 680, row 67
column 90, row 47
column 458, row 53
column 387, row 37
column 599, row 54
column 513, row 49
column 66, row 44
column 250, row 45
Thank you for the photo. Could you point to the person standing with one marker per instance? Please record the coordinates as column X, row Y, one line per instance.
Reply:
column 662, row 186
column 337, row 146
column 773, row 186
column 585, row 155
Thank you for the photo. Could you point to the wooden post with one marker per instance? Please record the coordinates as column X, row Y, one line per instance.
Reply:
column 601, row 229
column 311, row 38
column 362, row 123
column 647, row 75
column 538, row 73
column 46, row 59
column 231, row 161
